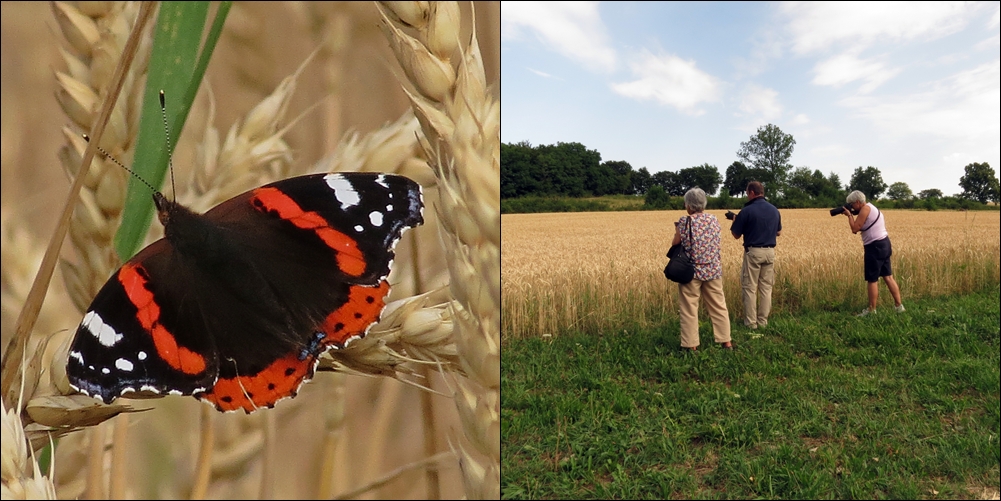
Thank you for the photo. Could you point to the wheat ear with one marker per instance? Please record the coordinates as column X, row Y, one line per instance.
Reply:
column 460, row 122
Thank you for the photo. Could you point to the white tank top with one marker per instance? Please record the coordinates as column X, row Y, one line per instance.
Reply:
column 874, row 227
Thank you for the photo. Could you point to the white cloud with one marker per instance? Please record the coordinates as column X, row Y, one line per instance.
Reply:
column 573, row 29
column 965, row 107
column 817, row 26
column 766, row 46
column 960, row 158
column 845, row 68
column 990, row 43
column 831, row 150
column 761, row 103
column 540, row 73
column 800, row 119
column 669, row 80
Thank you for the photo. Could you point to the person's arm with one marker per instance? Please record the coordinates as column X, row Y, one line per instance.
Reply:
column 677, row 236
column 855, row 223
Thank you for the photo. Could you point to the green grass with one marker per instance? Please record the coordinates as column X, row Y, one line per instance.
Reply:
column 821, row 405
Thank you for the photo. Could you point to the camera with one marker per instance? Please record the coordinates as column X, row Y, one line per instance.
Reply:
column 730, row 215
column 838, row 210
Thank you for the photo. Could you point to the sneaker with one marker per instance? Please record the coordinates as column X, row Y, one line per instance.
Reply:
column 866, row 312
column 900, row 308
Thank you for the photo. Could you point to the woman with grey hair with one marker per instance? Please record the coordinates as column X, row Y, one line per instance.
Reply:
column 699, row 234
column 876, row 243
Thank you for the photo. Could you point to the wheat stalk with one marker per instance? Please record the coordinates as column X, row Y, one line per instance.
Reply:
column 460, row 122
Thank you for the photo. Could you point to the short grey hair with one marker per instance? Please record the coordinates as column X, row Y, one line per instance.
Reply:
column 695, row 199
column 855, row 196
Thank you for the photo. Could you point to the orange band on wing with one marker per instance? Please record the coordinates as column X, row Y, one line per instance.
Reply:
column 279, row 380
column 133, row 279
column 349, row 257
column 353, row 318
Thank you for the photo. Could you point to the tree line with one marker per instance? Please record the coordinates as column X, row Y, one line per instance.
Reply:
column 572, row 170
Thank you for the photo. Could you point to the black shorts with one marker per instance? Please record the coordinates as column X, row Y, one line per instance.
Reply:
column 877, row 260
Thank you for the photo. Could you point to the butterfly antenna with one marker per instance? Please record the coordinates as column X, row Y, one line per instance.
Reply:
column 113, row 159
column 170, row 152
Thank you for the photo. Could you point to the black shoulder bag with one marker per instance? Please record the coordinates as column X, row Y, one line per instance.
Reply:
column 680, row 267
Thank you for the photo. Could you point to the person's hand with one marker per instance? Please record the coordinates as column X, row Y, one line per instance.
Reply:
column 845, row 211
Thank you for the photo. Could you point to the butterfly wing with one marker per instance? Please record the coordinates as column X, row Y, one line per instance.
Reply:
column 123, row 344
column 318, row 250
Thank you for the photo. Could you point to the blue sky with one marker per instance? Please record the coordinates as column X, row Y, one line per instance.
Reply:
column 911, row 88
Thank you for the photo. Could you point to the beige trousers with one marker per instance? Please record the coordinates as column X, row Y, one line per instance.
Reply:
column 757, row 275
column 688, row 304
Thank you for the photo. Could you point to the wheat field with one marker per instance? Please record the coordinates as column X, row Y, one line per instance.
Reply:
column 292, row 88
column 602, row 272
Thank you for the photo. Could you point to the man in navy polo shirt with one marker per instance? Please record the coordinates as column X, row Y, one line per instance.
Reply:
column 759, row 223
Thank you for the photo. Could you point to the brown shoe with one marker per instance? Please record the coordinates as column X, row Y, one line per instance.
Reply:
column 727, row 345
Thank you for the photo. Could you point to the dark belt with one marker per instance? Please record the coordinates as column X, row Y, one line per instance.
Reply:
column 758, row 247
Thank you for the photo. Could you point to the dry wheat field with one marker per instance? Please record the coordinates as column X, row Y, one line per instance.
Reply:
column 600, row 271
column 409, row 412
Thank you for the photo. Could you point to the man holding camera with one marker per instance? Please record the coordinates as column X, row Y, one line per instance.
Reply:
column 759, row 223
column 876, row 243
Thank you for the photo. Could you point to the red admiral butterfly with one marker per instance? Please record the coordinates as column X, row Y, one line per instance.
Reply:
column 236, row 305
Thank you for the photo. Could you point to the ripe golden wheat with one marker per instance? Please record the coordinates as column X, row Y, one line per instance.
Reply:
column 601, row 271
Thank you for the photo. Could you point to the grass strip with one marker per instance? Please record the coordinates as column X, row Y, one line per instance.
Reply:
column 820, row 405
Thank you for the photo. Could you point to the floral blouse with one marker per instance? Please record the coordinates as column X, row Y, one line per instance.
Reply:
column 704, row 247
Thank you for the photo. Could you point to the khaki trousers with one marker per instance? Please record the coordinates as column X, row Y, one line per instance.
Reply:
column 688, row 305
column 757, row 275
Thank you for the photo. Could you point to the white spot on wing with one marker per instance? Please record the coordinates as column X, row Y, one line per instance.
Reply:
column 125, row 365
column 105, row 370
column 344, row 192
column 376, row 218
column 77, row 355
column 359, row 228
column 381, row 181
column 142, row 355
column 104, row 333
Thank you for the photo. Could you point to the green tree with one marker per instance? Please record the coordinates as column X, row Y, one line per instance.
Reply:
column 640, row 181
column 601, row 180
column 930, row 194
column 656, row 198
column 899, row 191
column 520, row 172
column 704, row 176
column 738, row 175
column 736, row 179
column 669, row 181
column 768, row 151
column 868, row 181
column 566, row 167
column 622, row 176
column 979, row 183
column 811, row 183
